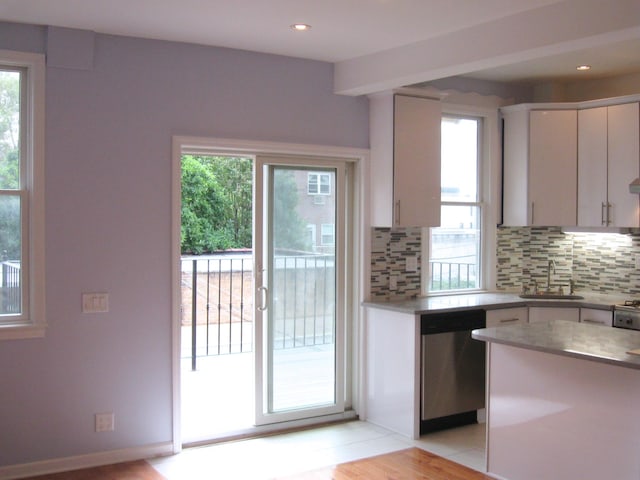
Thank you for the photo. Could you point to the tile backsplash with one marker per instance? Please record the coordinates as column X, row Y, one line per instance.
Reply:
column 596, row 262
column 604, row 263
column 390, row 249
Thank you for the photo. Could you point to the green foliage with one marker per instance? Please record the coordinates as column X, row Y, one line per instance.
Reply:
column 217, row 194
column 10, row 241
column 216, row 203
column 9, row 130
column 289, row 228
column 204, row 209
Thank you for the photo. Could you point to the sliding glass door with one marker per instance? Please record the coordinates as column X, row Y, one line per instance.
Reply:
column 299, row 245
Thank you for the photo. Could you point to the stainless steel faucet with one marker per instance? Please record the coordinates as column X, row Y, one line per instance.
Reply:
column 551, row 268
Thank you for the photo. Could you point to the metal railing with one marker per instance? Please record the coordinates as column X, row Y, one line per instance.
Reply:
column 10, row 301
column 452, row 275
column 217, row 303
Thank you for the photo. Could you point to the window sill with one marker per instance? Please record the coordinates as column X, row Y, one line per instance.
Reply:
column 21, row 331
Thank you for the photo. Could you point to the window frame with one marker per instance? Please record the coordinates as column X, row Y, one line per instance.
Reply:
column 318, row 183
column 31, row 322
column 488, row 178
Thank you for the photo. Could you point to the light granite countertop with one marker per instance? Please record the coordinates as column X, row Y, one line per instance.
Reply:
column 491, row 301
column 572, row 339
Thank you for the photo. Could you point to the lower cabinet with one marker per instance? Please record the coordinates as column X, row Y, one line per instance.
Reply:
column 507, row 316
column 596, row 317
column 545, row 314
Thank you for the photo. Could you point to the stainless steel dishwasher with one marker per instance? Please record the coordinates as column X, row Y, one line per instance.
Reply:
column 452, row 369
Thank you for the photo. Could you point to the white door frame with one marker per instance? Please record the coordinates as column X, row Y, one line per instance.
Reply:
column 357, row 263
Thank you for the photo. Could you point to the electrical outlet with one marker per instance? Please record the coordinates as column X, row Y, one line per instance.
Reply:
column 105, row 422
column 95, row 302
column 393, row 282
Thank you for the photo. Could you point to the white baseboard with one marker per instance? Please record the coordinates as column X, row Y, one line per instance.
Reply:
column 56, row 465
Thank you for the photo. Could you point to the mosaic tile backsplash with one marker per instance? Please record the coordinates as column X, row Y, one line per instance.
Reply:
column 604, row 263
column 390, row 249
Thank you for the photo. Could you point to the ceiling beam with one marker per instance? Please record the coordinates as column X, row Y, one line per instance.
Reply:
column 549, row 30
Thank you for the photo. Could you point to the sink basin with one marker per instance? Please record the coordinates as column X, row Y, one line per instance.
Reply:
column 553, row 296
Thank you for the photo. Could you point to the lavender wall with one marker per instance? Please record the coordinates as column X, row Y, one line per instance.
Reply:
column 108, row 147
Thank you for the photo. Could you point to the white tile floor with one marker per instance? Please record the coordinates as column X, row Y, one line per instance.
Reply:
column 290, row 453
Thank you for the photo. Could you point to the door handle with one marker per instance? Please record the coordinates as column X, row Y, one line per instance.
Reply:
column 265, row 292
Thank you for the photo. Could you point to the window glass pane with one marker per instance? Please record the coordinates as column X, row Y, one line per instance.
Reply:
column 454, row 262
column 459, row 180
column 313, row 183
column 10, row 254
column 9, row 130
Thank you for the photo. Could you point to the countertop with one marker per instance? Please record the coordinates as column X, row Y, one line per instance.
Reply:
column 572, row 339
column 491, row 301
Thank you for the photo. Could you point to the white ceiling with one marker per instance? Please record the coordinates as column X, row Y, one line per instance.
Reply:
column 346, row 31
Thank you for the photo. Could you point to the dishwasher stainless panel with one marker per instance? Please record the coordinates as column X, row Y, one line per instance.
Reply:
column 452, row 368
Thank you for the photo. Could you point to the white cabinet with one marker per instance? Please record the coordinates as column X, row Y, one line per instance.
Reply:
column 507, row 316
column 608, row 160
column 405, row 160
column 596, row 317
column 546, row 314
column 540, row 167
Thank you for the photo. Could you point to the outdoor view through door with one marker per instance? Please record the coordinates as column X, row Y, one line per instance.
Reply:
column 261, row 328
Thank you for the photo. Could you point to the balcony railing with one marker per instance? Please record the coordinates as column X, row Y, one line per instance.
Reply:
column 217, row 303
column 452, row 275
column 10, row 287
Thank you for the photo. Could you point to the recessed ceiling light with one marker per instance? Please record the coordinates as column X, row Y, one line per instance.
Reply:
column 583, row 67
column 301, row 27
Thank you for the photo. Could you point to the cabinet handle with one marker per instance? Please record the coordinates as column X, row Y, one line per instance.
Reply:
column 397, row 212
column 609, row 214
column 509, row 320
column 602, row 221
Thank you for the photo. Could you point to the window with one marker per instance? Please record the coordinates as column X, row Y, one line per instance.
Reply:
column 21, row 195
column 319, row 184
column 455, row 246
column 328, row 234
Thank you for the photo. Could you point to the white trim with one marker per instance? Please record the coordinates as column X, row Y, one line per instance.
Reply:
column 34, row 323
column 361, row 243
column 84, row 461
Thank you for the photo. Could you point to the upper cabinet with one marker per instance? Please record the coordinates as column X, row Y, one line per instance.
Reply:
column 540, row 167
column 608, row 160
column 405, row 160
column 570, row 164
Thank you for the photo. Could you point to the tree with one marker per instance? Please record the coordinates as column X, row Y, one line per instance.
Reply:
column 204, row 210
column 10, row 241
column 289, row 229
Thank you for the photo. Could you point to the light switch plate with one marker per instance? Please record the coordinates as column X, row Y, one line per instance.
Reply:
column 95, row 302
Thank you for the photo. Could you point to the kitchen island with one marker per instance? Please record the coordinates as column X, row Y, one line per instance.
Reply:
column 562, row 401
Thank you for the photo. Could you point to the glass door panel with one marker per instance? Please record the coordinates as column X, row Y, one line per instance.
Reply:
column 298, row 299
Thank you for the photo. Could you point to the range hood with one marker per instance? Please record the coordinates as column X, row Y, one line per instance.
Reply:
column 634, row 187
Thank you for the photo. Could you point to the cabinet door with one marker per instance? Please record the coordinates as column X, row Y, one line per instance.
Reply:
column 507, row 316
column 624, row 163
column 592, row 167
column 596, row 317
column 546, row 314
column 416, row 162
column 553, row 165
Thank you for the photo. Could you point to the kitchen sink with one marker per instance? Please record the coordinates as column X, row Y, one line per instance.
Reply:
column 552, row 296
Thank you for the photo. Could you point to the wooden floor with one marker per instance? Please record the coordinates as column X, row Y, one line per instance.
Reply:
column 138, row 470
column 409, row 464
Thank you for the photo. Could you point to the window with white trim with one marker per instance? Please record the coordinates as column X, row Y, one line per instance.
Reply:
column 21, row 194
column 455, row 247
column 319, row 184
column 328, row 234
